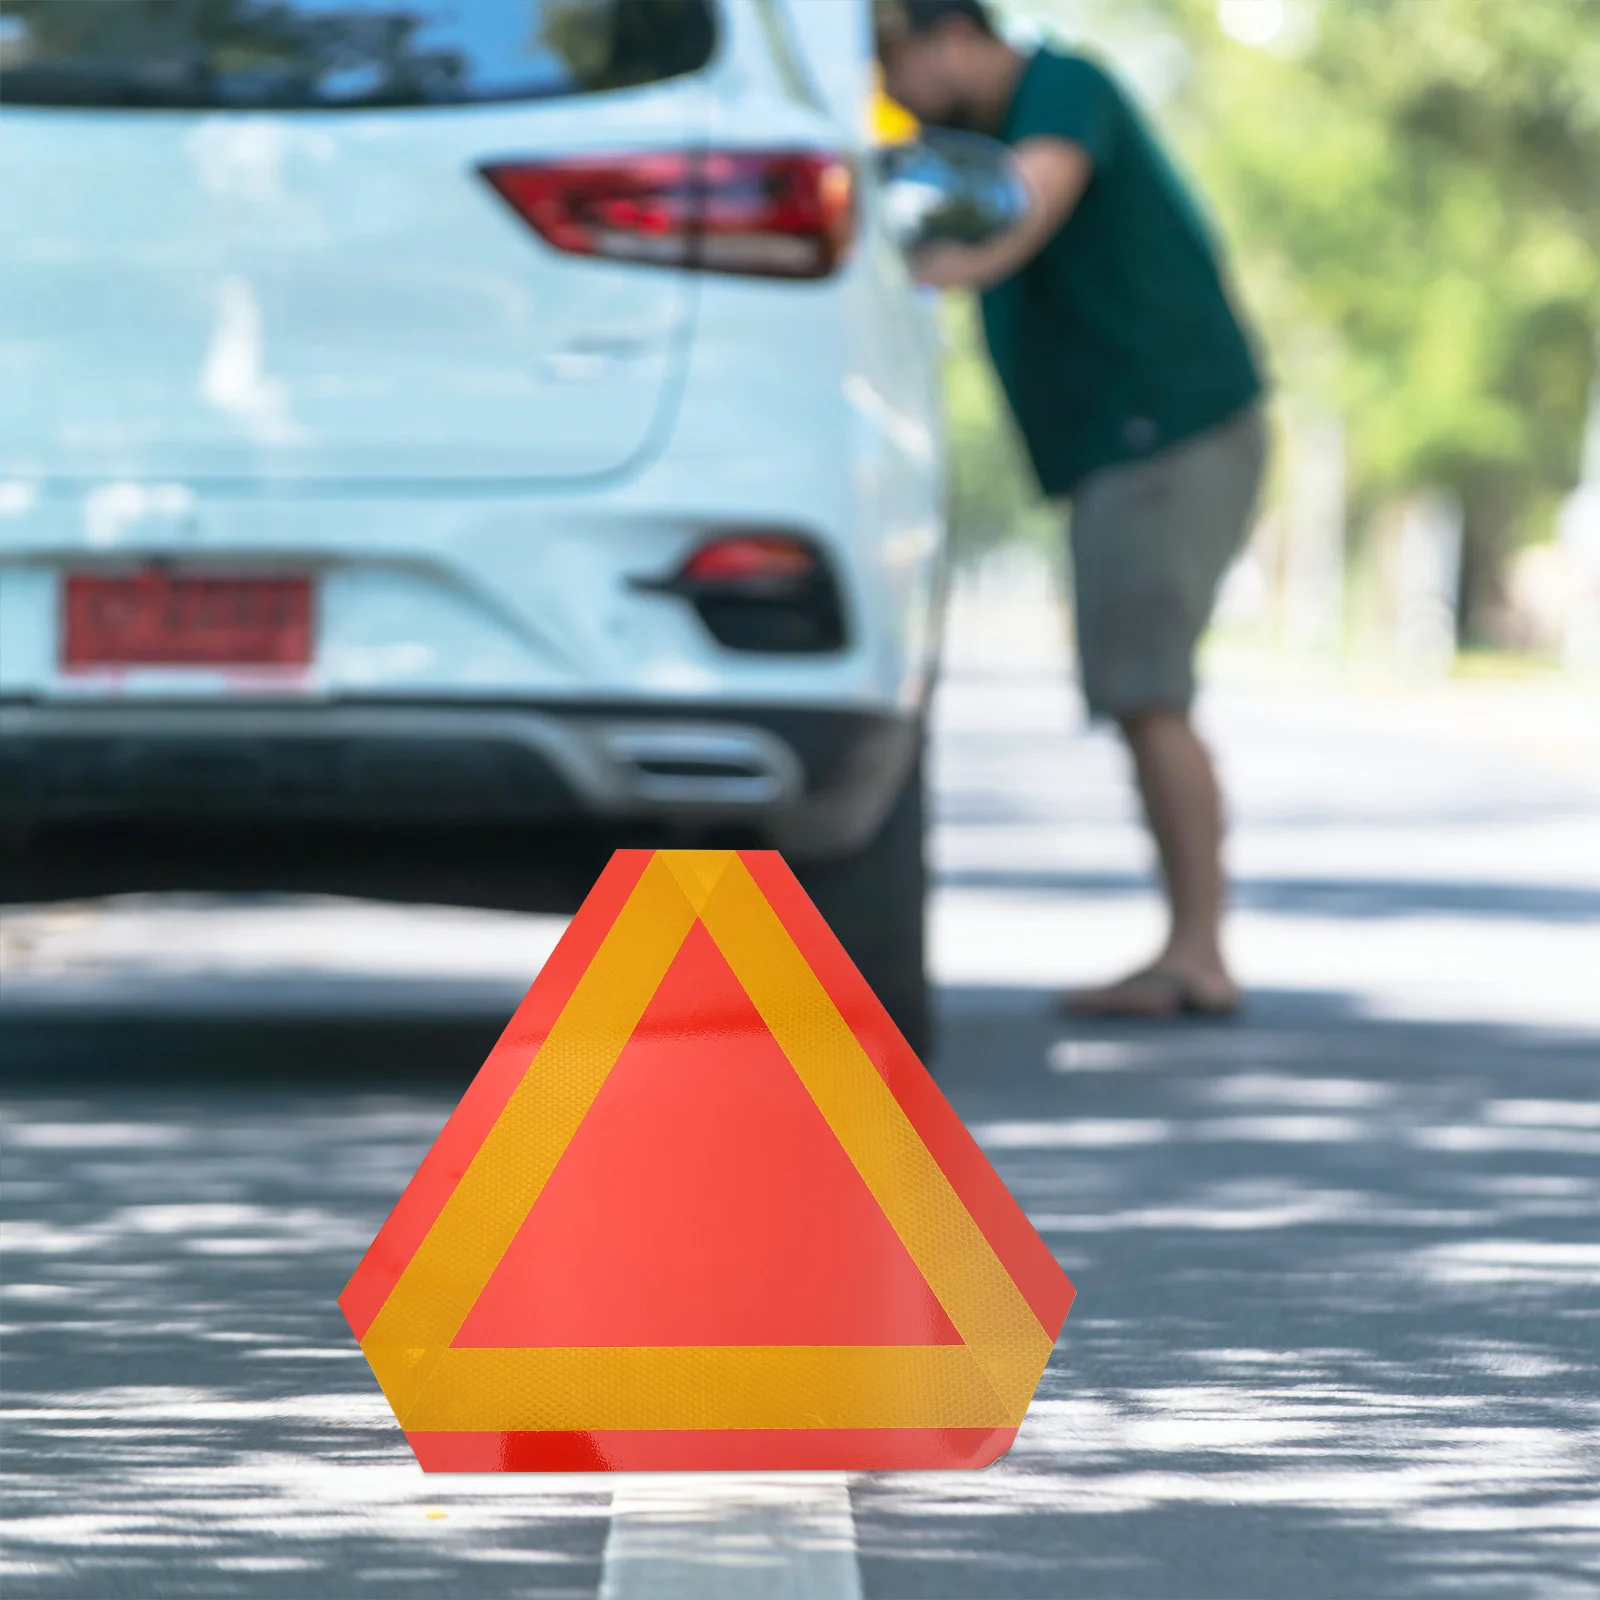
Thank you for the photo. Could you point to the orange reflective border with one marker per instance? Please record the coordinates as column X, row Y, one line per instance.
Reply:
column 418, row 1207
column 1025, row 1256
column 857, row 1406
column 670, row 1387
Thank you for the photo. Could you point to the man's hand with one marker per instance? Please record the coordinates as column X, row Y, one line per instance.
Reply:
column 1055, row 173
column 946, row 266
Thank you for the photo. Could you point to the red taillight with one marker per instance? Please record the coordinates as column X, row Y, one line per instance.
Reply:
column 744, row 559
column 759, row 589
column 781, row 214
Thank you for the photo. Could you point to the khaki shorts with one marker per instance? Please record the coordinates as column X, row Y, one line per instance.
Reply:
column 1151, row 541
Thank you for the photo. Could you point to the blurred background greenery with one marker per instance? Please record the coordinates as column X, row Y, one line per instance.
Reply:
column 1410, row 192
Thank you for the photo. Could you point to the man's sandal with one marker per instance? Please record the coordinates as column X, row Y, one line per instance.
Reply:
column 1154, row 995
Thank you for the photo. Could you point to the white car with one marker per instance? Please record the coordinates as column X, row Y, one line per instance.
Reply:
column 443, row 439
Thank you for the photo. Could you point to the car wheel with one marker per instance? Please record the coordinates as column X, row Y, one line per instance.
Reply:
column 873, row 900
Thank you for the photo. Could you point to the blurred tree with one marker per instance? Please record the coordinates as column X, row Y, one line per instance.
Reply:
column 1421, row 180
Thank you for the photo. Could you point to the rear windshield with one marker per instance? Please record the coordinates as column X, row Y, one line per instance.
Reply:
column 311, row 55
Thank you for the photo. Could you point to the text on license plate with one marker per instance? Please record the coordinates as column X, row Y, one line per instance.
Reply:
column 159, row 618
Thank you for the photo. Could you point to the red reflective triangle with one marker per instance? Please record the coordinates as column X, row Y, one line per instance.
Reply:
column 703, row 1241
column 743, row 1224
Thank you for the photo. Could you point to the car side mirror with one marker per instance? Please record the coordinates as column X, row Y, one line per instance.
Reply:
column 950, row 187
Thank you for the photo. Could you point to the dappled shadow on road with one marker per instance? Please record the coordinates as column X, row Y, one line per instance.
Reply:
column 1335, row 1333
column 1343, row 896
column 185, row 1410
column 1337, row 1312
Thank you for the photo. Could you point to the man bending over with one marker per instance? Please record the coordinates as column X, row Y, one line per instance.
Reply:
column 1136, row 391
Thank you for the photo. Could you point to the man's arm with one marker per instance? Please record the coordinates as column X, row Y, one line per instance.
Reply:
column 1055, row 173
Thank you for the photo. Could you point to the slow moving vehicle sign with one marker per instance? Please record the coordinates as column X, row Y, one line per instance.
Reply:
column 703, row 1208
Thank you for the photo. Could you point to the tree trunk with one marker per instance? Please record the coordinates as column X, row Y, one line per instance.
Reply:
column 1491, row 504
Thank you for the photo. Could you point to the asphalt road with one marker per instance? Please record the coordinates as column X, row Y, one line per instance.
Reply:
column 1338, row 1264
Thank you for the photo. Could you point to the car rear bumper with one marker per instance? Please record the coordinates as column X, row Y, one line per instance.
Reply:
column 812, row 782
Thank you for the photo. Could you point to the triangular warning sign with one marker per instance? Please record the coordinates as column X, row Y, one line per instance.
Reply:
column 703, row 1208
column 749, row 1226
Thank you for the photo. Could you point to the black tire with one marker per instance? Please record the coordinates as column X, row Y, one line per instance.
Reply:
column 874, row 901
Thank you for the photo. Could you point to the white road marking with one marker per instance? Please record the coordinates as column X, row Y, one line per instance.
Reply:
column 731, row 1536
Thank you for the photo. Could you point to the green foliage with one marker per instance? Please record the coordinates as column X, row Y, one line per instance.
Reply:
column 1412, row 192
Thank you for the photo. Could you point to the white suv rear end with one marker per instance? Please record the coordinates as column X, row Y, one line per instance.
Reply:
column 458, row 431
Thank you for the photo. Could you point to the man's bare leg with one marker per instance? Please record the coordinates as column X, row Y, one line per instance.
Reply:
column 1183, row 807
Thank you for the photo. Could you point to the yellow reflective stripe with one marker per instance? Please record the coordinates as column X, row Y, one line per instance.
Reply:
column 720, row 1386
column 950, row 1250
column 696, row 871
column 443, row 1280
column 431, row 1387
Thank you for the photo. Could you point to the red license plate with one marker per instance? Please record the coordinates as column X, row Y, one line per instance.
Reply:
column 149, row 619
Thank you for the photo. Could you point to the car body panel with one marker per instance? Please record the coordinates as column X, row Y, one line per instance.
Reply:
column 444, row 578
column 323, row 295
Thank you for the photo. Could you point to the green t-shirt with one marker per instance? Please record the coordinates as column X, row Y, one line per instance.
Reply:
column 1117, row 339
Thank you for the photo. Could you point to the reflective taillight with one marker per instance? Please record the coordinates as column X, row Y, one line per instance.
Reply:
column 779, row 214
column 750, row 559
column 759, row 590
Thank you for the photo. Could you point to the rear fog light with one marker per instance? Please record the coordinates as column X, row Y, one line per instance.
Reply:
column 751, row 562
column 768, row 593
